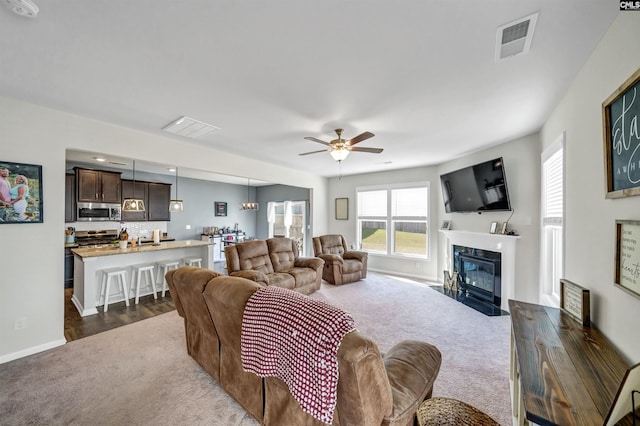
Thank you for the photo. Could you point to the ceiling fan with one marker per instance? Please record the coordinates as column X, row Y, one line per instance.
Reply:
column 340, row 148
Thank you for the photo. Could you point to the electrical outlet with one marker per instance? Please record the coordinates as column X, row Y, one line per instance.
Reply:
column 20, row 323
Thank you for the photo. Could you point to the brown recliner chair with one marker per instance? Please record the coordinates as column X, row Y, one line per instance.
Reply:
column 341, row 265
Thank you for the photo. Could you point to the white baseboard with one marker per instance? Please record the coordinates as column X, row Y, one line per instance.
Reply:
column 400, row 274
column 32, row 350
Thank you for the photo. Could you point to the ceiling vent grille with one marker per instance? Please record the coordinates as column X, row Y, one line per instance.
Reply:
column 515, row 37
column 189, row 128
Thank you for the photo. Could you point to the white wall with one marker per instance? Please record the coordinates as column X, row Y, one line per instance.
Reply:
column 522, row 169
column 32, row 255
column 590, row 218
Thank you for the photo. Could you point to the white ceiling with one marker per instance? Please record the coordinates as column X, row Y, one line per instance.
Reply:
column 420, row 74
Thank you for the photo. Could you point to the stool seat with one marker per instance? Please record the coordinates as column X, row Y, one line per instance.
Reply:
column 165, row 266
column 105, row 285
column 192, row 261
column 138, row 272
column 451, row 412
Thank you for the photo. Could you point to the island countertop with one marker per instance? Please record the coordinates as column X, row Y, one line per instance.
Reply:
column 86, row 252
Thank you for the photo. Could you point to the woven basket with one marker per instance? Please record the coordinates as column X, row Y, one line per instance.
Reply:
column 446, row 411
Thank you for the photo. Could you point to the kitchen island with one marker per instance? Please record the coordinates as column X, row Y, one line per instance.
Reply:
column 88, row 262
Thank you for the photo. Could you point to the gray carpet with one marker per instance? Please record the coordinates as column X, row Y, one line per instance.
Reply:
column 140, row 373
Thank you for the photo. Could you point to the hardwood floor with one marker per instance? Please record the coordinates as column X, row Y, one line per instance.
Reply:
column 77, row 327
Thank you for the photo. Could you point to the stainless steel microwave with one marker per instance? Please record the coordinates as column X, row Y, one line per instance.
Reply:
column 96, row 212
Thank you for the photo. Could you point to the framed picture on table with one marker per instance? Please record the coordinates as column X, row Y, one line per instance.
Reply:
column 20, row 193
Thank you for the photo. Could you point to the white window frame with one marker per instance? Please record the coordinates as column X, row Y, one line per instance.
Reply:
column 552, row 266
column 390, row 219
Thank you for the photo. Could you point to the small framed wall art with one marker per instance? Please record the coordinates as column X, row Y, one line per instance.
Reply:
column 221, row 208
column 627, row 260
column 20, row 193
column 620, row 116
column 342, row 208
column 575, row 301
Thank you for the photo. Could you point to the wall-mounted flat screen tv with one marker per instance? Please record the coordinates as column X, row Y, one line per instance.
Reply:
column 478, row 188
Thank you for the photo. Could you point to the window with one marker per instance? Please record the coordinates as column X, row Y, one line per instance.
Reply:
column 552, row 229
column 393, row 220
column 288, row 219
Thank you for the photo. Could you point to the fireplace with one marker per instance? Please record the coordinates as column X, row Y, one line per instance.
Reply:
column 479, row 273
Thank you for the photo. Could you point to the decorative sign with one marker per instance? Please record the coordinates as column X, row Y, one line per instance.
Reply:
column 221, row 208
column 627, row 272
column 623, row 401
column 621, row 126
column 574, row 300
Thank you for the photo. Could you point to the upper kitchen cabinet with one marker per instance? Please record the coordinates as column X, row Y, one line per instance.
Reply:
column 159, row 197
column 96, row 186
column 140, row 192
column 70, row 198
column 156, row 197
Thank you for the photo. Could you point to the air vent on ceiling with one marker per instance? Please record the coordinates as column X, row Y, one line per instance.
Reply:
column 189, row 128
column 515, row 37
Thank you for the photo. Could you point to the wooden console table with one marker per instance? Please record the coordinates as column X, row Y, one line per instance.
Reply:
column 561, row 372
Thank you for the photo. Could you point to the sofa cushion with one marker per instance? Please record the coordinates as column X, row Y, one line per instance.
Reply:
column 281, row 279
column 255, row 255
column 302, row 276
column 351, row 265
column 282, row 252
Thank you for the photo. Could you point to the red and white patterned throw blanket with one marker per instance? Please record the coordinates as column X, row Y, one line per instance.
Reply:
column 296, row 339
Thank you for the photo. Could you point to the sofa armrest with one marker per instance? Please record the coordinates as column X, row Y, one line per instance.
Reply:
column 249, row 274
column 309, row 262
column 331, row 258
column 360, row 255
column 412, row 368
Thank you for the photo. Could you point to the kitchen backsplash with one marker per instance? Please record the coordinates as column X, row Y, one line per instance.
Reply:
column 134, row 229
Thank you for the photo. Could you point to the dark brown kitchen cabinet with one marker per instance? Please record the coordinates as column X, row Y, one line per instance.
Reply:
column 140, row 192
column 159, row 197
column 97, row 186
column 156, row 197
column 70, row 198
column 68, row 268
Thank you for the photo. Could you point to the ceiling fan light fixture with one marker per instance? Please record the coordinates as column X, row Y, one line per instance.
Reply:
column 339, row 154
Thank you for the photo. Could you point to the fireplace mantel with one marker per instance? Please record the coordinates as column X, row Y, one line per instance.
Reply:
column 503, row 244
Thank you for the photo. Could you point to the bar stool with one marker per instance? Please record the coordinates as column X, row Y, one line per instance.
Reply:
column 192, row 261
column 164, row 267
column 140, row 271
column 107, row 275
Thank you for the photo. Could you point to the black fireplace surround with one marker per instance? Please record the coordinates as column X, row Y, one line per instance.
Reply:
column 479, row 273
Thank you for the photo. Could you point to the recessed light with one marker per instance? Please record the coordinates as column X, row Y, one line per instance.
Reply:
column 100, row 159
column 171, row 169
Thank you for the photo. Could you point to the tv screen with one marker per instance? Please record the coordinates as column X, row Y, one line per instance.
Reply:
column 478, row 188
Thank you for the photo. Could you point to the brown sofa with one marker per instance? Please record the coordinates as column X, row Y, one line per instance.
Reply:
column 341, row 265
column 274, row 262
column 372, row 389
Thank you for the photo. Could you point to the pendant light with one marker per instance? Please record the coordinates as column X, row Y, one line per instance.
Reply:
column 248, row 205
column 133, row 204
column 176, row 205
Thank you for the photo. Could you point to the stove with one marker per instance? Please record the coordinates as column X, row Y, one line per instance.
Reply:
column 96, row 238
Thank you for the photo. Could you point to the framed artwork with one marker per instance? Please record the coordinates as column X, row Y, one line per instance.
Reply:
column 342, row 208
column 627, row 397
column 575, row 301
column 627, row 260
column 221, row 208
column 503, row 228
column 494, row 227
column 20, row 193
column 446, row 225
column 620, row 116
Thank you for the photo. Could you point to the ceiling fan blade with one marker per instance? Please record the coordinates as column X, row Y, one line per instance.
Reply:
column 314, row 152
column 362, row 149
column 361, row 137
column 311, row 138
